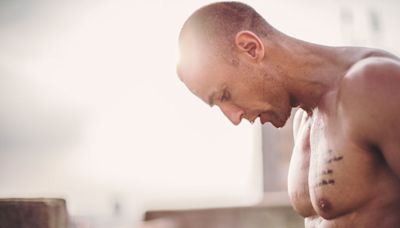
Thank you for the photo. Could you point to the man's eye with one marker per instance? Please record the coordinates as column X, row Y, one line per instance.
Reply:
column 225, row 96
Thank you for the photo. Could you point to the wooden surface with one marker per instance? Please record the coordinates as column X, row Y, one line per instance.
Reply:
column 33, row 213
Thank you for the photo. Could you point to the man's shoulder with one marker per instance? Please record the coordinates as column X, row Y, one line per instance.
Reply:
column 371, row 76
column 373, row 66
column 369, row 93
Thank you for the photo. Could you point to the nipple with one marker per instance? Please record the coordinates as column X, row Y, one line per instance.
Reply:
column 324, row 205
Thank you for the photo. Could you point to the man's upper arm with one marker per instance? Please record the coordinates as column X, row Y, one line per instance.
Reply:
column 370, row 104
column 298, row 117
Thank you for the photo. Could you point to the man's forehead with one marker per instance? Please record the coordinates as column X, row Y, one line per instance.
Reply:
column 191, row 70
column 196, row 67
column 196, row 81
column 194, row 51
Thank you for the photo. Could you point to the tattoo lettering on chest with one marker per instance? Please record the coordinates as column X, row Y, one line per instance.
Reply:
column 325, row 182
column 325, row 177
column 327, row 172
column 334, row 159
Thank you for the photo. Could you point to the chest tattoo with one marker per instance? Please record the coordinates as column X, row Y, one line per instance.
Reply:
column 334, row 159
column 325, row 177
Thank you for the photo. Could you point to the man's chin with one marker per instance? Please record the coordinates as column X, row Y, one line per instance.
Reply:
column 277, row 122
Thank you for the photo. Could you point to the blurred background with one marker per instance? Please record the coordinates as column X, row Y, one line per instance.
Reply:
column 91, row 110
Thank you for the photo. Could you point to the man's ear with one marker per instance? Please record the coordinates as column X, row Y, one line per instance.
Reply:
column 250, row 44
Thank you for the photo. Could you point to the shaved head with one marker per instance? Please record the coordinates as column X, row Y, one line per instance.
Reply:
column 214, row 27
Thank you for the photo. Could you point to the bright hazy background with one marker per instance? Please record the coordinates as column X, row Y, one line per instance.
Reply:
column 91, row 109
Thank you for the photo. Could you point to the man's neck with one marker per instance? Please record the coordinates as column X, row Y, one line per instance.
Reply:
column 311, row 70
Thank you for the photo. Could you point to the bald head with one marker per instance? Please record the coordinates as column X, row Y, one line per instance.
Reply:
column 224, row 20
column 214, row 27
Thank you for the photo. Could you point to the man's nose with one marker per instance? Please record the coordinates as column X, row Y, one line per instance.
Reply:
column 234, row 114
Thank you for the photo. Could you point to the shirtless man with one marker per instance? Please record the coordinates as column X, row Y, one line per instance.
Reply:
column 345, row 166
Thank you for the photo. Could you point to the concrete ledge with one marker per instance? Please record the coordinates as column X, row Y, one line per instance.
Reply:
column 242, row 217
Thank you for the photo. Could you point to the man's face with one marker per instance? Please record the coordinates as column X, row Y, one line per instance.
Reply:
column 240, row 91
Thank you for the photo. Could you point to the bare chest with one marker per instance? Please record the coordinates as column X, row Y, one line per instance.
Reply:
column 329, row 173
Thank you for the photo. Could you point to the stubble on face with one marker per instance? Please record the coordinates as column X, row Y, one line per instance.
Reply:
column 276, row 96
column 277, row 118
column 253, row 91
